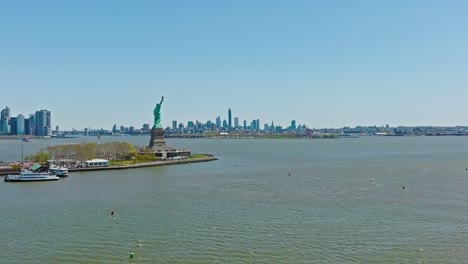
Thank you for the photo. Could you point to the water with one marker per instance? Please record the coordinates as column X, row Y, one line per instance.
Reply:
column 343, row 202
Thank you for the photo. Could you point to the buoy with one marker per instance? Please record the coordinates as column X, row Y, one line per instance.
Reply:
column 403, row 187
column 131, row 255
column 112, row 213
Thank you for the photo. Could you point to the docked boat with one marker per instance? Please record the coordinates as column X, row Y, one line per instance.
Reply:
column 27, row 176
column 59, row 171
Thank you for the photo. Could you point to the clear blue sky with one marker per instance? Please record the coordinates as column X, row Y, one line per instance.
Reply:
column 323, row 63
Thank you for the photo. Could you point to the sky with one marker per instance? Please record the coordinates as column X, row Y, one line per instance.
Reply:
column 329, row 63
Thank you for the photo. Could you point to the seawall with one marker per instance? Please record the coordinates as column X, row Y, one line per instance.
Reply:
column 132, row 166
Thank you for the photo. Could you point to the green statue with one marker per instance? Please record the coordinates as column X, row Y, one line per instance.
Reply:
column 157, row 114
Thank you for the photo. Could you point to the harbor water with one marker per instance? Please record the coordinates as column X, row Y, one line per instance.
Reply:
column 354, row 200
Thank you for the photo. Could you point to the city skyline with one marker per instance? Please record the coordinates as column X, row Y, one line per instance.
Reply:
column 322, row 63
column 39, row 124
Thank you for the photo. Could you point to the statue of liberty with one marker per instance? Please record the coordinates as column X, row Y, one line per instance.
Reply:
column 157, row 114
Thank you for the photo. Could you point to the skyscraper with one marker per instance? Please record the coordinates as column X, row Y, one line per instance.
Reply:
column 293, row 124
column 13, row 126
column 174, row 124
column 218, row 122
column 20, row 125
column 236, row 122
column 43, row 121
column 4, row 121
column 30, row 125
column 229, row 119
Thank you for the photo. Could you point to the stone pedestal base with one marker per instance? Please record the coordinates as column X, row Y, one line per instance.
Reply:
column 157, row 138
column 159, row 147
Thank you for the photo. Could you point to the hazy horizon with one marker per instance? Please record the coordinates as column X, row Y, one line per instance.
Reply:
column 321, row 63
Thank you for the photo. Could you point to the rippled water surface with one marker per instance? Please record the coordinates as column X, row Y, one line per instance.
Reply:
column 343, row 202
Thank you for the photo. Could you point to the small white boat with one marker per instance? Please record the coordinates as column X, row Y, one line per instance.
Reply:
column 26, row 176
column 59, row 171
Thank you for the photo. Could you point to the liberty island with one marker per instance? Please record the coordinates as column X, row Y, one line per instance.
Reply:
column 157, row 153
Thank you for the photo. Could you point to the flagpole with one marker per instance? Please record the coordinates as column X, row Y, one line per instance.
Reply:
column 22, row 148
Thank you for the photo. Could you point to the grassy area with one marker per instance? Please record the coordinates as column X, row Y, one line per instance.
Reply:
column 138, row 161
column 198, row 156
column 122, row 162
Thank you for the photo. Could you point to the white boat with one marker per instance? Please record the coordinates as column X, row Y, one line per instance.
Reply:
column 26, row 176
column 59, row 171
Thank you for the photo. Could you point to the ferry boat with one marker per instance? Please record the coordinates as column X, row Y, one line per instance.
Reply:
column 27, row 176
column 59, row 171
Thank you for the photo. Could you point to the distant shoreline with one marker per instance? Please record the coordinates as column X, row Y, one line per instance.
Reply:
column 252, row 136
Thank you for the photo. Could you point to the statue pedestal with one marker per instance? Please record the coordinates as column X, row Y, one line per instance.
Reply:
column 159, row 147
column 157, row 138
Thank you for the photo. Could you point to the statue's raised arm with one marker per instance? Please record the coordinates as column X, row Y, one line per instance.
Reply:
column 157, row 114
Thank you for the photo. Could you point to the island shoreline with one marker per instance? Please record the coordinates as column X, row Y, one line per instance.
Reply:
column 4, row 172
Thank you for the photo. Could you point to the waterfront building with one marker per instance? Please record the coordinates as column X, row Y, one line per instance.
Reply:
column 4, row 120
column 229, row 119
column 236, row 122
column 174, row 124
column 293, row 124
column 43, row 122
column 190, row 125
column 253, row 126
column 30, row 125
column 209, row 125
column 20, row 124
column 245, row 124
column 218, row 122
column 13, row 127
column 258, row 125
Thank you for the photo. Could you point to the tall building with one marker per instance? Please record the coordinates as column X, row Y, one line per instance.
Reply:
column 258, row 124
column 218, row 122
column 245, row 124
column 5, row 120
column 229, row 119
column 190, row 125
column 20, row 125
column 253, row 125
column 43, row 121
column 293, row 124
column 30, row 125
column 13, row 126
column 174, row 124
column 236, row 122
